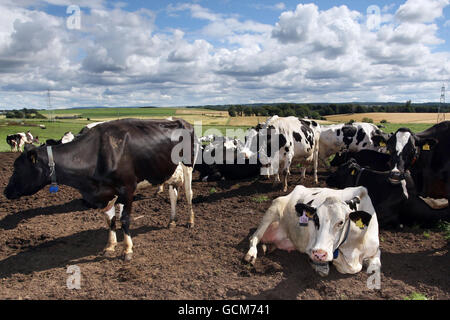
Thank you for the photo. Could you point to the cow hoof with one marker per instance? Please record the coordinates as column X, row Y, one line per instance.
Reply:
column 172, row 225
column 249, row 259
column 128, row 257
column 108, row 253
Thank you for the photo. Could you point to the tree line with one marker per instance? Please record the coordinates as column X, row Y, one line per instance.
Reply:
column 24, row 114
column 318, row 111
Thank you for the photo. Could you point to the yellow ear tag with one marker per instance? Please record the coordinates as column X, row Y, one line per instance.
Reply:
column 33, row 159
column 309, row 214
column 353, row 172
column 426, row 147
column 359, row 223
column 382, row 144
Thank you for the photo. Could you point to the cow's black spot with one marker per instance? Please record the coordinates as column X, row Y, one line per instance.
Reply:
column 286, row 149
column 338, row 132
column 282, row 141
column 360, row 136
column 297, row 136
column 349, row 132
column 365, row 144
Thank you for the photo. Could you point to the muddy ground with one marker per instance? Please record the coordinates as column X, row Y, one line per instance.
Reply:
column 43, row 234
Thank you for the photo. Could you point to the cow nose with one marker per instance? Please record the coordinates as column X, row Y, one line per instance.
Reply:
column 395, row 176
column 319, row 255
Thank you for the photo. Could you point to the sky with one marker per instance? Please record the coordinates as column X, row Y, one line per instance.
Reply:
column 192, row 53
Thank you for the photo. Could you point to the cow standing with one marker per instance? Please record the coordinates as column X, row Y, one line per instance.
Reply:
column 108, row 161
column 297, row 139
column 338, row 226
column 348, row 137
column 19, row 140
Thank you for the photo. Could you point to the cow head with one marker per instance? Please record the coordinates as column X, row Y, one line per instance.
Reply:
column 404, row 148
column 30, row 174
column 345, row 176
column 332, row 220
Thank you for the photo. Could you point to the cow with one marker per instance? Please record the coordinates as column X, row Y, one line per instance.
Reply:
column 396, row 205
column 352, row 137
column 366, row 158
column 426, row 155
column 110, row 160
column 338, row 226
column 67, row 137
column 298, row 139
column 229, row 164
column 19, row 140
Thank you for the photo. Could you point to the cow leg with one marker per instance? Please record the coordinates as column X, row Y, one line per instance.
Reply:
column 125, row 221
column 269, row 217
column 173, row 195
column 315, row 163
column 110, row 213
column 187, row 174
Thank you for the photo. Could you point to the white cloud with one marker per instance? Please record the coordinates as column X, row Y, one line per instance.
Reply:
column 421, row 11
column 123, row 58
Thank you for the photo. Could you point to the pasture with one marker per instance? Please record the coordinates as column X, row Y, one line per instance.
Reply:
column 209, row 119
column 41, row 235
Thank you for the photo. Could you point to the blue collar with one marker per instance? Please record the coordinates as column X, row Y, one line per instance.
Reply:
column 51, row 163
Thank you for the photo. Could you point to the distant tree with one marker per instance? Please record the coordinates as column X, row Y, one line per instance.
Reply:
column 368, row 120
column 248, row 111
column 232, row 111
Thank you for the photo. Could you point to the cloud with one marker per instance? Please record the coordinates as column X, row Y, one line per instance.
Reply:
column 421, row 11
column 122, row 58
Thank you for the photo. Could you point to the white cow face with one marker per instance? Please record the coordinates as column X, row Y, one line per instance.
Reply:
column 332, row 219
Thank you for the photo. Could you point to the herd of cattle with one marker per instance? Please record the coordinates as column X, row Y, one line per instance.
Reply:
column 382, row 180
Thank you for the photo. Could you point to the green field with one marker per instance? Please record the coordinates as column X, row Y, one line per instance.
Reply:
column 209, row 118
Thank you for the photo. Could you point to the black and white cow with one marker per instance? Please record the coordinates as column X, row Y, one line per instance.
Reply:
column 223, row 160
column 395, row 205
column 107, row 161
column 426, row 155
column 297, row 139
column 19, row 140
column 338, row 226
column 353, row 137
column 66, row 138
column 366, row 158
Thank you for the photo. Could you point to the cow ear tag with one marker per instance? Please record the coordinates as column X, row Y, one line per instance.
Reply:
column 382, row 144
column 303, row 220
column 426, row 147
column 359, row 223
column 353, row 172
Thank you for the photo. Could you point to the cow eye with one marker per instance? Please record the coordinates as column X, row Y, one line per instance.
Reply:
column 340, row 223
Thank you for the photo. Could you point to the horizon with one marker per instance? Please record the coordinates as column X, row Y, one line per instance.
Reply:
column 200, row 52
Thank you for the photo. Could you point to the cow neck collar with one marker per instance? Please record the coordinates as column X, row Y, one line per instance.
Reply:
column 342, row 240
column 358, row 177
column 51, row 164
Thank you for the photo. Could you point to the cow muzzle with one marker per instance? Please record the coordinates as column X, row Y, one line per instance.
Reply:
column 395, row 177
column 319, row 255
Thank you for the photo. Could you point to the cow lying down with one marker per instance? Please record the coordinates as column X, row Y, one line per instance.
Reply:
column 338, row 226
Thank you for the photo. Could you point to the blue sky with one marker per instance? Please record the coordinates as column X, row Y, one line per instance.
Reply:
column 173, row 53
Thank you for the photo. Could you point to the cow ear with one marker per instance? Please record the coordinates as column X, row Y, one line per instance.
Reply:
column 32, row 156
column 426, row 144
column 302, row 207
column 353, row 202
column 360, row 218
column 379, row 141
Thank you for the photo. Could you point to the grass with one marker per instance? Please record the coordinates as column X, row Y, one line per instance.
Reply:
column 445, row 228
column 212, row 190
column 210, row 119
column 416, row 296
column 261, row 199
